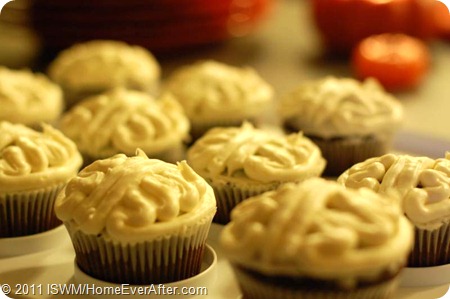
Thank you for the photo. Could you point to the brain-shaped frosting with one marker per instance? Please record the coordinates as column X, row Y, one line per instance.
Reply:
column 120, row 121
column 245, row 153
column 210, row 90
column 340, row 107
column 31, row 159
column 319, row 229
column 104, row 64
column 131, row 197
column 28, row 98
column 423, row 183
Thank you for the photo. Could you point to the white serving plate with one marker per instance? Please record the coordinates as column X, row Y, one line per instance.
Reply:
column 18, row 246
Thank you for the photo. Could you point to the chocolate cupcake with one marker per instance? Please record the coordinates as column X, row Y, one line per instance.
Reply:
column 121, row 120
column 93, row 67
column 349, row 120
column 137, row 220
column 34, row 167
column 240, row 162
column 424, row 186
column 317, row 239
column 216, row 94
column 29, row 98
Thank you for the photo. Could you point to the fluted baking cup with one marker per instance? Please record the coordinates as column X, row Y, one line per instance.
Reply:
column 229, row 195
column 342, row 153
column 431, row 247
column 198, row 129
column 29, row 212
column 201, row 282
column 162, row 259
column 253, row 287
column 171, row 155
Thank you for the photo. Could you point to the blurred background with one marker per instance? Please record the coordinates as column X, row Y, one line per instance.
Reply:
column 286, row 41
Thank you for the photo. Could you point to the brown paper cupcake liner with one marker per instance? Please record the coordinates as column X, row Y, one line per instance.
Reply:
column 28, row 213
column 342, row 153
column 172, row 155
column 229, row 195
column 161, row 260
column 431, row 247
column 198, row 129
column 253, row 287
column 73, row 97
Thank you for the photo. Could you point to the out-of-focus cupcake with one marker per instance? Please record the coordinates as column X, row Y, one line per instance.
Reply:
column 216, row 94
column 34, row 167
column 424, row 186
column 317, row 239
column 93, row 67
column 121, row 120
column 240, row 162
column 28, row 98
column 137, row 220
column 349, row 120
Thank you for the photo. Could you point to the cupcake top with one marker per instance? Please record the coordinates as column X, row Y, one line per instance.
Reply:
column 121, row 120
column 422, row 182
column 32, row 160
column 318, row 229
column 249, row 155
column 28, row 98
column 130, row 199
column 211, row 91
column 103, row 64
column 333, row 107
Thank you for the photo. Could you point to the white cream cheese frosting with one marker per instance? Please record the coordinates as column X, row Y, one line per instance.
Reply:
column 28, row 98
column 336, row 107
column 246, row 154
column 32, row 160
column 212, row 91
column 318, row 229
column 129, row 199
column 423, row 184
column 104, row 64
column 121, row 120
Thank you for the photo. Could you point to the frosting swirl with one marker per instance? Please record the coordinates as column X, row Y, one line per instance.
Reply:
column 211, row 91
column 131, row 198
column 28, row 98
column 423, row 184
column 333, row 107
column 104, row 64
column 120, row 121
column 245, row 154
column 318, row 229
column 31, row 159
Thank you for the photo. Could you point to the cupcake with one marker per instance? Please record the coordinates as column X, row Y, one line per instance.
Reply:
column 240, row 162
column 28, row 98
column 424, row 186
column 317, row 240
column 137, row 220
column 93, row 67
column 34, row 167
column 349, row 120
column 121, row 120
column 215, row 94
